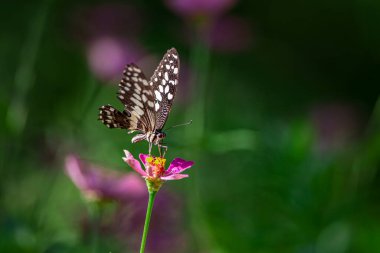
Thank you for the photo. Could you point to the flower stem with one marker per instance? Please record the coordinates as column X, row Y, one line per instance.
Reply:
column 152, row 195
column 95, row 216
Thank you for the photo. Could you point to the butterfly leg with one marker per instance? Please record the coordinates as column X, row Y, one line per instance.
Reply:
column 150, row 148
column 160, row 148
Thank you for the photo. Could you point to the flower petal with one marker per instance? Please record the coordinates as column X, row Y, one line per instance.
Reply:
column 86, row 177
column 143, row 158
column 133, row 163
column 125, row 187
column 175, row 177
column 73, row 170
column 178, row 165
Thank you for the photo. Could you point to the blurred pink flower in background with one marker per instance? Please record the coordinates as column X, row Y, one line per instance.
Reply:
column 200, row 8
column 107, row 57
column 100, row 184
column 336, row 125
column 221, row 33
column 109, row 32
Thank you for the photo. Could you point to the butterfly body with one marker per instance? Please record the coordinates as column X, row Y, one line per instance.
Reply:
column 147, row 104
column 151, row 137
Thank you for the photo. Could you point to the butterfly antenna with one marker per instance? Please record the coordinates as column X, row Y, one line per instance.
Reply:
column 184, row 124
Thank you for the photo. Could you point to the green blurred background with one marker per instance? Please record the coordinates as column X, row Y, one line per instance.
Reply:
column 284, row 98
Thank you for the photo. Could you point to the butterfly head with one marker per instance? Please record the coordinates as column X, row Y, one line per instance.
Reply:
column 155, row 137
column 160, row 135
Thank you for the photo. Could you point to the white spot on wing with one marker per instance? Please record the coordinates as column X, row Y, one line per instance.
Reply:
column 137, row 96
column 138, row 110
column 156, row 106
column 138, row 103
column 134, row 120
column 137, row 86
column 161, row 88
column 166, row 76
column 147, row 92
column 163, row 82
column 170, row 96
column 158, row 95
column 166, row 89
column 175, row 71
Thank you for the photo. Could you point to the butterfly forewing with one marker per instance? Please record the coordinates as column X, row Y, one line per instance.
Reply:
column 163, row 83
column 137, row 96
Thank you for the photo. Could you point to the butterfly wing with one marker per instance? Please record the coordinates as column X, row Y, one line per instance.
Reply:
column 163, row 83
column 113, row 118
column 137, row 98
column 146, row 104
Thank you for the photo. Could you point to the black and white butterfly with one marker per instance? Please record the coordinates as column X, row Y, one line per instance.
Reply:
column 147, row 104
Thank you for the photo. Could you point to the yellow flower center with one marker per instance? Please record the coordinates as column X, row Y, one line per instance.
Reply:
column 158, row 165
column 158, row 161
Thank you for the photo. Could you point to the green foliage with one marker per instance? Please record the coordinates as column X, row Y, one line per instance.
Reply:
column 266, row 177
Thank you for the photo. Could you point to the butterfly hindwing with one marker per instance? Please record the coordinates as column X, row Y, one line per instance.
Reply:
column 113, row 118
column 164, row 82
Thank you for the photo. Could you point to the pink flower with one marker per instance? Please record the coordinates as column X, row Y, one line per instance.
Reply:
column 194, row 8
column 100, row 184
column 107, row 56
column 155, row 167
column 108, row 32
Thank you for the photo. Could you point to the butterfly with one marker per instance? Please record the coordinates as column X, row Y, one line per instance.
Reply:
column 147, row 104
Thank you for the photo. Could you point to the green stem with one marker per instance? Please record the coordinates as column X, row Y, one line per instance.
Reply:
column 152, row 195
column 94, row 209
